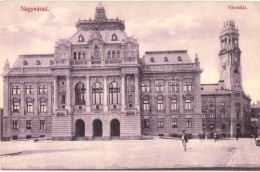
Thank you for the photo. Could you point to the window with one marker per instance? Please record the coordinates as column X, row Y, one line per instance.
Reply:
column 15, row 90
column 146, row 123
column 79, row 55
column 223, row 113
column 51, row 62
column 113, row 54
column 28, row 124
column 29, row 107
column 16, row 106
column 75, row 55
column 145, row 88
column 188, row 105
column 38, row 62
column 160, row 103
column 151, row 59
column 15, row 124
column 97, row 93
column 109, row 54
column 174, row 123
column 223, row 126
column 80, row 91
column 211, row 115
column 63, row 99
column 114, row 37
column 159, row 86
column 179, row 59
column 211, row 104
column 184, row 87
column 43, row 107
column 81, row 38
column 84, row 55
column 146, row 105
column 165, row 59
column 25, row 63
column 118, row 54
column 203, row 116
column 212, row 126
column 189, row 88
column 42, row 124
column 173, row 87
column 114, row 91
column 29, row 89
column 174, row 104
column 160, row 123
column 189, row 122
column 222, row 104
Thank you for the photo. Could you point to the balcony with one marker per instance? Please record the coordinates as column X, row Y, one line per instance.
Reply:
column 79, row 62
column 113, row 61
column 188, row 110
column 114, row 108
column 80, row 108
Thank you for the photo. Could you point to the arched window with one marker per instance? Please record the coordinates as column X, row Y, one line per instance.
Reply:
column 79, row 55
column 189, row 86
column 179, row 59
column 114, row 37
column 13, row 90
column 159, row 86
column 118, row 54
column 84, row 55
column 80, row 90
column 45, row 89
column 27, row 89
column 75, row 55
column 109, row 54
column 113, row 54
column 184, row 86
column 81, row 38
column 17, row 90
column 114, row 91
column 97, row 93
column 165, row 59
column 151, row 59
column 145, row 88
column 41, row 89
column 173, row 87
column 160, row 103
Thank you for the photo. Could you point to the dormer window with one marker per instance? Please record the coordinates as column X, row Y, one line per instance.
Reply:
column 38, row 62
column 25, row 63
column 114, row 37
column 165, row 59
column 179, row 59
column 151, row 59
column 81, row 38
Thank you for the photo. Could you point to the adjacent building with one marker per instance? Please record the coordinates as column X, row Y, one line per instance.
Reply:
column 255, row 118
column 95, row 86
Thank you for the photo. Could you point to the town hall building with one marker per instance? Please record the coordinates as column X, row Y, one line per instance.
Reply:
column 95, row 86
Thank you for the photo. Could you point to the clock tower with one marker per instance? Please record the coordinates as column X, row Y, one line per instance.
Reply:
column 229, row 55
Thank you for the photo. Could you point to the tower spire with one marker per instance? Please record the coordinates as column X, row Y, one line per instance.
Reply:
column 100, row 13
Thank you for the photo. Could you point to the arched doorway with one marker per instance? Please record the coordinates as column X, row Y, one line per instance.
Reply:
column 115, row 128
column 80, row 128
column 238, row 130
column 97, row 128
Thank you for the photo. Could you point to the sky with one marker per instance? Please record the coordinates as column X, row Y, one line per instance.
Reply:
column 158, row 26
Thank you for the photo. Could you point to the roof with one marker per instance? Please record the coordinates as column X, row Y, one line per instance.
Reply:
column 167, row 57
column 31, row 60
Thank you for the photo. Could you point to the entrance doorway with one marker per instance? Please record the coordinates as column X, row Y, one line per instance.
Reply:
column 97, row 128
column 115, row 128
column 80, row 128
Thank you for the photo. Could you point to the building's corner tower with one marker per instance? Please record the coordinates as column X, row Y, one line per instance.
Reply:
column 230, row 63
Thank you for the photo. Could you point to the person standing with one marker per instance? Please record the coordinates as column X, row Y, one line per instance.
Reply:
column 216, row 137
column 184, row 139
column 237, row 137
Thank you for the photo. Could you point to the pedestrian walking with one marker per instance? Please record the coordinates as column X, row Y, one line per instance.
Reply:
column 184, row 140
column 216, row 136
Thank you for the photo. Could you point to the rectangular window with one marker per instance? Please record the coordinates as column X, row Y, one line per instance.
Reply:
column 223, row 113
column 15, row 124
column 211, row 115
column 188, row 104
column 43, row 107
column 146, row 123
column 203, row 116
column 42, row 124
column 174, row 104
column 63, row 99
column 189, row 122
column 223, row 126
column 238, row 114
column 29, row 107
column 28, row 124
column 160, row 104
column 15, row 106
column 174, row 123
column 160, row 123
column 146, row 105
column 222, row 104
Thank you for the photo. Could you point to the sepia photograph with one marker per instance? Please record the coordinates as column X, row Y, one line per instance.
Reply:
column 129, row 85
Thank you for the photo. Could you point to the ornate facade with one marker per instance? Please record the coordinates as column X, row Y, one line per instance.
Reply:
column 95, row 86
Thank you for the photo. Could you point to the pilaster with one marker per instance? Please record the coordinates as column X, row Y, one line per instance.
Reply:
column 35, row 103
column 105, row 94
column 181, row 110
column 87, row 94
column 68, row 94
column 137, row 93
column 22, row 107
column 123, row 93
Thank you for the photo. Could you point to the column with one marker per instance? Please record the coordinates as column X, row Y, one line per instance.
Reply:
column 123, row 92
column 22, row 103
column 167, row 101
column 181, row 97
column 68, row 94
column 137, row 94
column 55, row 92
column 49, row 104
column 87, row 98
column 105, row 94
column 35, row 102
